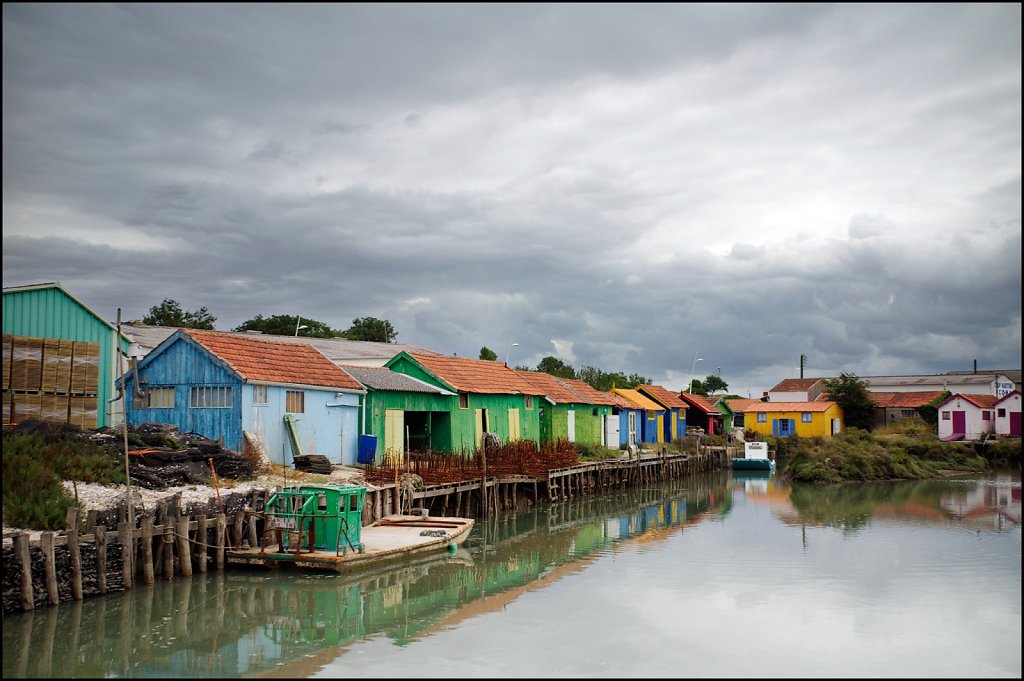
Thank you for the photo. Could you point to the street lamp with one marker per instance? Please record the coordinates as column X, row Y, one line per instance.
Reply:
column 297, row 327
column 508, row 351
column 693, row 369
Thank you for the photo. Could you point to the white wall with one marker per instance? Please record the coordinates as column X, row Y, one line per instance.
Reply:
column 1011, row 405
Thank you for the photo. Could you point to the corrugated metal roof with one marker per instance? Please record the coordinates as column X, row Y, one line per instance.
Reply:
column 778, row 407
column 477, row 375
column 665, row 397
column 937, row 379
column 639, row 399
column 551, row 387
column 380, row 378
column 274, row 362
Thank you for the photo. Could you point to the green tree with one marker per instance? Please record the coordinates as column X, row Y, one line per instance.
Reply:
column 371, row 329
column 713, row 383
column 556, row 367
column 606, row 380
column 851, row 394
column 169, row 313
column 488, row 354
column 286, row 324
column 697, row 387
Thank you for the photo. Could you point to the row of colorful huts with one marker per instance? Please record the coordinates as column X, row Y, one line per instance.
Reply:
column 302, row 396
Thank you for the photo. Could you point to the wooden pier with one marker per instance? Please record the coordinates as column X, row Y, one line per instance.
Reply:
column 70, row 565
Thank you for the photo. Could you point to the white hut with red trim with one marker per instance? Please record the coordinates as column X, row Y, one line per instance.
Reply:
column 966, row 417
column 1008, row 414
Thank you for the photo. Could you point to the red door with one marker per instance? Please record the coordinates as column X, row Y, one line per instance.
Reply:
column 960, row 422
column 1014, row 423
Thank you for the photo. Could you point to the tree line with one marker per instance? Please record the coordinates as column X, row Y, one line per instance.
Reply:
column 170, row 313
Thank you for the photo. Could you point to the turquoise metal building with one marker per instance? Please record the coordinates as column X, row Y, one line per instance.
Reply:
column 48, row 311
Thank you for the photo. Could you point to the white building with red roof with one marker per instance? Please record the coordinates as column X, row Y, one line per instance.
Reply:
column 966, row 416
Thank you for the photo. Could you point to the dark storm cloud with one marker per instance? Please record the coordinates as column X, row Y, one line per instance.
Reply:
column 626, row 186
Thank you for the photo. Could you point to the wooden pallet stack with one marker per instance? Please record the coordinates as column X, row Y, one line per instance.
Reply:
column 49, row 379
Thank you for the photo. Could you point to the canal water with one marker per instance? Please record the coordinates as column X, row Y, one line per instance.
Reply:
column 718, row 575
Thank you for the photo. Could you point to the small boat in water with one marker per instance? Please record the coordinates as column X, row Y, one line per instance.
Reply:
column 756, row 456
column 320, row 527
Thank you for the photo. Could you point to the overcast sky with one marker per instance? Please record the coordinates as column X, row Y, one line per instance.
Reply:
column 622, row 186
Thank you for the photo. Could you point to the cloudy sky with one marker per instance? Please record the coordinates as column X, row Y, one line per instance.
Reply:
column 622, row 186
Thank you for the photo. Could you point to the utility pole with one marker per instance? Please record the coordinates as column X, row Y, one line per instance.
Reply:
column 803, row 363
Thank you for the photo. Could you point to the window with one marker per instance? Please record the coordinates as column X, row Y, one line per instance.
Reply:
column 160, row 398
column 295, row 401
column 1001, row 413
column 805, row 417
column 908, row 413
column 945, row 416
column 986, row 415
column 529, row 401
column 595, row 411
column 259, row 394
column 211, row 397
column 762, row 417
column 463, row 401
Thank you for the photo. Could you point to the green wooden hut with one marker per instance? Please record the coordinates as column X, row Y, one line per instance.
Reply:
column 403, row 413
column 569, row 413
column 489, row 397
column 59, row 358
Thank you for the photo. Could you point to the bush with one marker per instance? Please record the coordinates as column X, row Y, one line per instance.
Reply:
column 34, row 495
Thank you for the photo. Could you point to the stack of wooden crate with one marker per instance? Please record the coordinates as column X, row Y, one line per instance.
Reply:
column 51, row 380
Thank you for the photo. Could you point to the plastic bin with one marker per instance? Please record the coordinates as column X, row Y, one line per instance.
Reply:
column 367, row 448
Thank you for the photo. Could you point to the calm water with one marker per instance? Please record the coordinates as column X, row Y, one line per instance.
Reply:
column 715, row 575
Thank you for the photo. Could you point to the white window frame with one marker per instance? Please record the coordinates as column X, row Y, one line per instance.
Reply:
column 290, row 396
column 164, row 393
column 210, row 397
column 260, row 395
column 805, row 417
column 762, row 417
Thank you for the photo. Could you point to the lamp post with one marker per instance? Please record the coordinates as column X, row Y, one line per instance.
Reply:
column 513, row 345
column 693, row 369
column 297, row 327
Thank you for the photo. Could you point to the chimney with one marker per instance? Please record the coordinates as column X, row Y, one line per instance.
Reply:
column 975, row 366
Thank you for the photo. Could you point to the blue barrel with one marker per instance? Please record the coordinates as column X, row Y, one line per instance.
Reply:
column 367, row 448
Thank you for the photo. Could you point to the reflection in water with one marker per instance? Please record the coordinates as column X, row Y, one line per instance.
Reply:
column 243, row 623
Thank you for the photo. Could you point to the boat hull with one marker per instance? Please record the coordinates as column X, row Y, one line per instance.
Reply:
column 391, row 538
column 753, row 464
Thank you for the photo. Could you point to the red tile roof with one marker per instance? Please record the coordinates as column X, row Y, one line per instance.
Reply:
column 775, row 407
column 621, row 402
column 663, row 396
column 794, row 385
column 980, row 401
column 910, row 400
column 740, row 405
column 260, row 360
column 477, row 375
column 550, row 387
column 700, row 402
column 592, row 395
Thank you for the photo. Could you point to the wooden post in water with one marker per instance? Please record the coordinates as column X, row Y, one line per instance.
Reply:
column 21, row 549
column 220, row 532
column 201, row 553
column 168, row 548
column 124, row 536
column 147, row 550
column 100, row 533
column 46, row 544
column 184, row 554
column 75, row 555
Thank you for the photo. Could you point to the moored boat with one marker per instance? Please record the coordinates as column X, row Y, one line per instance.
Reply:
column 756, row 456
column 320, row 527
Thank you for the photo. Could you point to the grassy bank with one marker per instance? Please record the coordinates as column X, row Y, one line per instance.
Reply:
column 857, row 455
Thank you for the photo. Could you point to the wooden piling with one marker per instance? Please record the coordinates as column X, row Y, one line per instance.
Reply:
column 221, row 531
column 100, row 533
column 146, row 534
column 201, row 552
column 46, row 544
column 168, row 548
column 124, row 537
column 28, row 601
column 184, row 552
column 75, row 554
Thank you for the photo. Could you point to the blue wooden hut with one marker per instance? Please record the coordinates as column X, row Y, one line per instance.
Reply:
column 288, row 396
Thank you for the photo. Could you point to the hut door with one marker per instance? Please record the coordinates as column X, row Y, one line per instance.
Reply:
column 632, row 429
column 513, row 425
column 394, row 432
column 960, row 422
column 570, row 417
column 481, row 426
